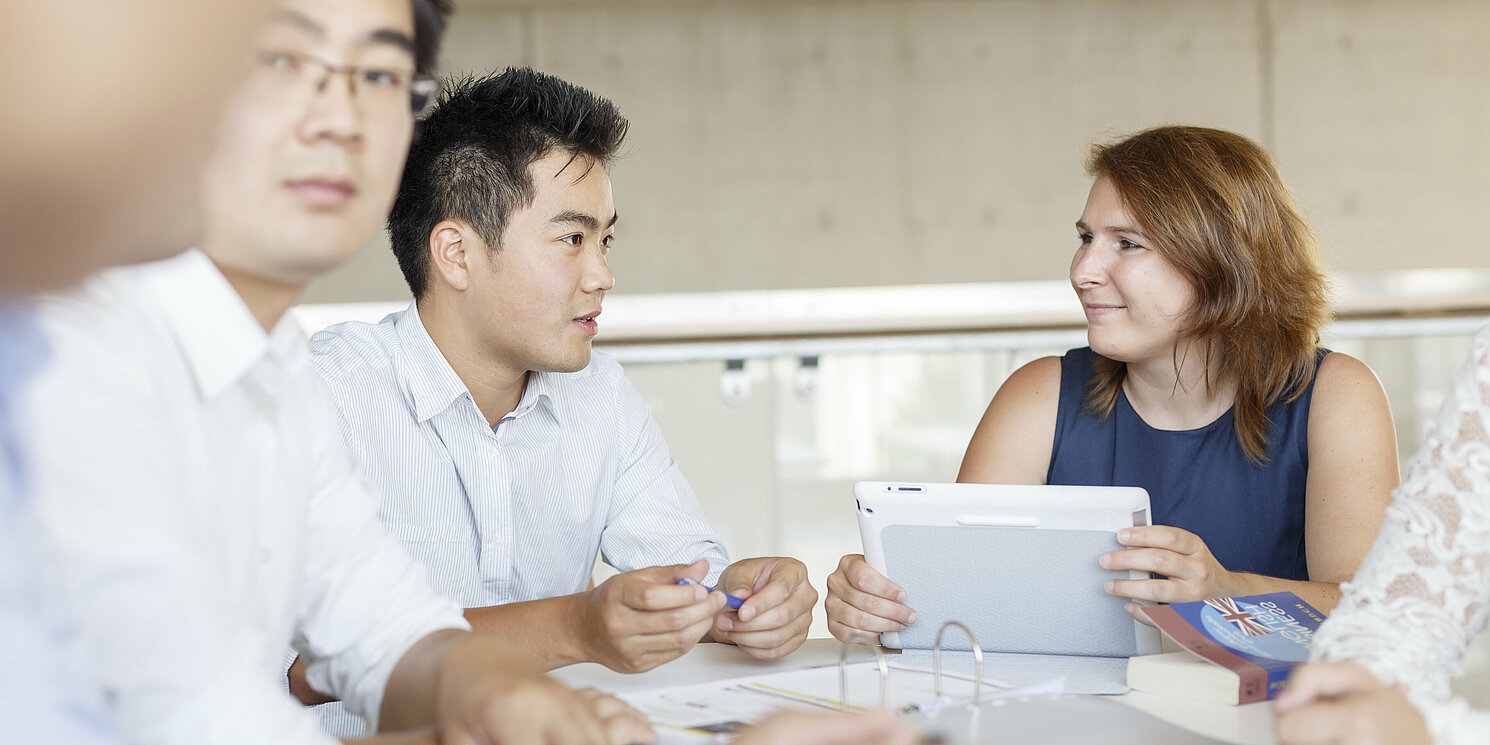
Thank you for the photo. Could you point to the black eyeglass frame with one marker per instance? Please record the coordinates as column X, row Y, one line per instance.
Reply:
column 423, row 89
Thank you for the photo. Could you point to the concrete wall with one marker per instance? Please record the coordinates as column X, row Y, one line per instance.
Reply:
column 813, row 143
column 799, row 143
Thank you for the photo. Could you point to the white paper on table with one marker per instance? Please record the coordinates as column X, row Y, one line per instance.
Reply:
column 707, row 711
column 1088, row 675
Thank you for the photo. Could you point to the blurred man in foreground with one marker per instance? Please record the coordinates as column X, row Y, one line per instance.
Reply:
column 203, row 508
column 78, row 191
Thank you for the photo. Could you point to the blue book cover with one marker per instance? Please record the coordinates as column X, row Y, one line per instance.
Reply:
column 1260, row 637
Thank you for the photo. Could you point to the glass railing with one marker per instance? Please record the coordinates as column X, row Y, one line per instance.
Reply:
column 772, row 445
column 775, row 403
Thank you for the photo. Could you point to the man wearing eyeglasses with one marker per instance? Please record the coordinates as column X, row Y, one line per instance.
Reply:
column 194, row 486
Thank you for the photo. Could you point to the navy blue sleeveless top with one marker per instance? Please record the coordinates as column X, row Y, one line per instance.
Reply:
column 1251, row 517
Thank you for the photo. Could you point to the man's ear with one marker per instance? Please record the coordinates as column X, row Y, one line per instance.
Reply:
column 448, row 242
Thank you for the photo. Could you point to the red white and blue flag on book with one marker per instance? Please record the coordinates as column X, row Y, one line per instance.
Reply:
column 1260, row 637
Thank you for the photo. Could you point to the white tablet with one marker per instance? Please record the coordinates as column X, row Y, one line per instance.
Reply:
column 1016, row 564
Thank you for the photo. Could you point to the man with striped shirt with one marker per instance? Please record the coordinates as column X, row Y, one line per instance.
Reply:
column 507, row 452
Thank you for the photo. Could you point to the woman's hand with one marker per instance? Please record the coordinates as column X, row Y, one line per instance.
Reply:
column 1342, row 703
column 862, row 602
column 1191, row 572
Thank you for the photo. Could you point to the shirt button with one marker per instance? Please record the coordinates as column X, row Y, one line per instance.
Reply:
column 265, row 555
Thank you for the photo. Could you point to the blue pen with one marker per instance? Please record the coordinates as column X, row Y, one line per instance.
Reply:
column 729, row 599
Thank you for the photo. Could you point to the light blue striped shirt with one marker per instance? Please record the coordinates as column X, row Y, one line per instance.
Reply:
column 516, row 512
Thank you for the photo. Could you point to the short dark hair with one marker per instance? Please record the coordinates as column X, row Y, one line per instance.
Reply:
column 470, row 157
column 429, row 27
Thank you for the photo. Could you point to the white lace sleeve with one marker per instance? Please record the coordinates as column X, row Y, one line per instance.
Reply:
column 1422, row 593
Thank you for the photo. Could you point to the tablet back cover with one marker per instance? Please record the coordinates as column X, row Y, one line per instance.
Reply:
column 1019, row 589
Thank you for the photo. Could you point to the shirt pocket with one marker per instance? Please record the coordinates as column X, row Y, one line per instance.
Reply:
column 448, row 553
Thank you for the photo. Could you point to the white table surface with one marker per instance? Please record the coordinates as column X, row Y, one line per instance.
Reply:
column 1245, row 725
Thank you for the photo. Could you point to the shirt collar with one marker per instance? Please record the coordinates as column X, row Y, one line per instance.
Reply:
column 433, row 383
column 431, row 380
column 534, row 393
column 219, row 336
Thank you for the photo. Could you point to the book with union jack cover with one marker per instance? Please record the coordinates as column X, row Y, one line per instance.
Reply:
column 1259, row 637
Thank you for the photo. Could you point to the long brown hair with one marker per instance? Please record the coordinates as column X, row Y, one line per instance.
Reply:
column 1213, row 204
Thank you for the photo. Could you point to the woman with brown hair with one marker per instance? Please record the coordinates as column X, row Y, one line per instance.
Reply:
column 1268, row 460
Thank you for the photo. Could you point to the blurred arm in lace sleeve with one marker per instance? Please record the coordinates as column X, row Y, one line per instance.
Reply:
column 1420, row 596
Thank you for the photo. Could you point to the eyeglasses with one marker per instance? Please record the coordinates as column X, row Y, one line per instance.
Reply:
column 303, row 75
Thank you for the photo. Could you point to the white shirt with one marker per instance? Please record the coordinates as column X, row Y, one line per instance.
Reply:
column 206, row 513
column 42, row 700
column 516, row 512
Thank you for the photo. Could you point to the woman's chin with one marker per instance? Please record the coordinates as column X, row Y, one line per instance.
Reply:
column 1107, row 348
